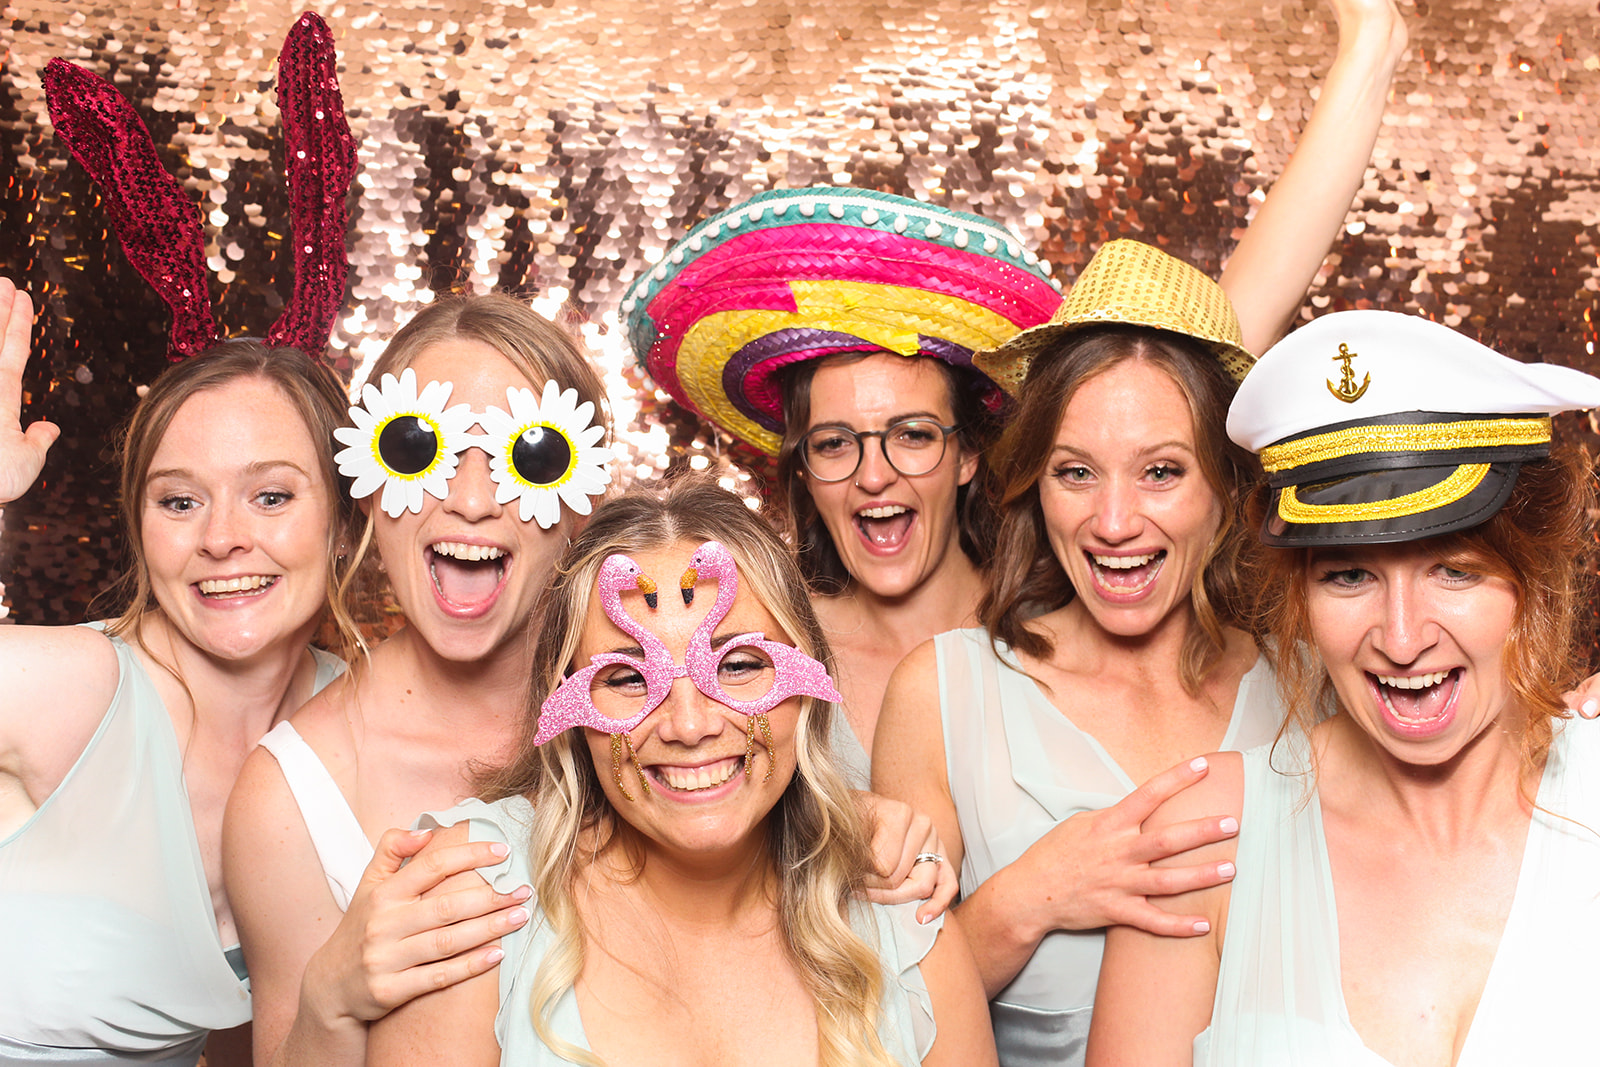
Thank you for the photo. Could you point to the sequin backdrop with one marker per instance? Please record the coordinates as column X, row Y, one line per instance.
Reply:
column 557, row 147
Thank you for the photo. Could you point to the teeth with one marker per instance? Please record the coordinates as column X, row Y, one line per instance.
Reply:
column 1415, row 681
column 690, row 779
column 887, row 511
column 1122, row 563
column 468, row 553
column 212, row 586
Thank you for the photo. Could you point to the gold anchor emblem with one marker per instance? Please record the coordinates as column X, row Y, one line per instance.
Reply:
column 1347, row 389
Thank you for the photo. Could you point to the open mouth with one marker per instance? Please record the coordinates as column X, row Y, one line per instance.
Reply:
column 1419, row 699
column 695, row 779
column 246, row 585
column 885, row 526
column 1125, row 575
column 467, row 576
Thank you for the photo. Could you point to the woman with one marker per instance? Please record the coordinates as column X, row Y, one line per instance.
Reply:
column 1418, row 872
column 118, row 931
column 1109, row 650
column 694, row 848
column 778, row 324
column 467, row 526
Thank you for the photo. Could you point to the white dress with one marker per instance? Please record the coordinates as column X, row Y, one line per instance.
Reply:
column 1017, row 767
column 906, row 1026
column 109, row 952
column 1280, row 1001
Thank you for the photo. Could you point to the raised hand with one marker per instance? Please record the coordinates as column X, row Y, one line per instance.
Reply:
column 22, row 452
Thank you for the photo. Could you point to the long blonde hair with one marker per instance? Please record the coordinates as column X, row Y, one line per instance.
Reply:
column 818, row 843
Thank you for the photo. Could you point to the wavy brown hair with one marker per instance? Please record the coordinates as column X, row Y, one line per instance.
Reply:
column 817, row 841
column 977, row 428
column 1536, row 541
column 1028, row 578
column 316, row 396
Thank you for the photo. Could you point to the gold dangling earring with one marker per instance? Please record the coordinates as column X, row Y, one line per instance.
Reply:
column 749, row 743
column 616, row 765
column 751, row 725
column 633, row 757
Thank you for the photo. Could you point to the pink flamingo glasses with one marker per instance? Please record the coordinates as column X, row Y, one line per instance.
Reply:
column 746, row 672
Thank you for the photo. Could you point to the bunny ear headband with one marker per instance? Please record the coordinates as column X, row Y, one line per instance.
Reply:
column 159, row 224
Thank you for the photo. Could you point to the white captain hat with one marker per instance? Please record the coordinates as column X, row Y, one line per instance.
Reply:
column 1375, row 427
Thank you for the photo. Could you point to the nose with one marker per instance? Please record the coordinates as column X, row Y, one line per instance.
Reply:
column 227, row 530
column 1117, row 517
column 688, row 716
column 472, row 489
column 874, row 473
column 1407, row 628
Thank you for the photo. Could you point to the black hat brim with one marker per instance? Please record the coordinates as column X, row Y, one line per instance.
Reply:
column 1336, row 507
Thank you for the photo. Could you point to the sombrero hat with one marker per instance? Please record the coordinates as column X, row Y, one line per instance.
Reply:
column 798, row 274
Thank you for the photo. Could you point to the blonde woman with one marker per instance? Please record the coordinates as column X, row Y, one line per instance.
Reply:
column 694, row 852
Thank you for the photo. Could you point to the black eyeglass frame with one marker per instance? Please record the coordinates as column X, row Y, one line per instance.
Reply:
column 883, row 446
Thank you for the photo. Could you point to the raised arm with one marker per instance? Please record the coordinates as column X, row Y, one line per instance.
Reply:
column 1278, row 258
column 319, row 976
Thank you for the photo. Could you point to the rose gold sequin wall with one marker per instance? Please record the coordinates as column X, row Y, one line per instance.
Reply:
column 557, row 147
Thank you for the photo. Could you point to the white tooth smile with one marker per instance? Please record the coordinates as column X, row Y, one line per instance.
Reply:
column 466, row 552
column 1415, row 681
column 691, row 779
column 887, row 511
column 246, row 584
column 1122, row 563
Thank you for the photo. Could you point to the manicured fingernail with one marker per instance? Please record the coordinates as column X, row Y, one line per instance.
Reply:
column 1229, row 825
column 924, row 920
column 1224, row 870
column 517, row 916
column 494, row 955
column 499, row 849
column 522, row 892
column 1197, row 764
column 1202, row 927
column 420, row 833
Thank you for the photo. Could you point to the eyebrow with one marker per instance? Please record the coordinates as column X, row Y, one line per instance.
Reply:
column 1173, row 445
column 931, row 416
column 260, row 466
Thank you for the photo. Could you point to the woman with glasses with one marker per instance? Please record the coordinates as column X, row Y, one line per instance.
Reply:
column 802, row 320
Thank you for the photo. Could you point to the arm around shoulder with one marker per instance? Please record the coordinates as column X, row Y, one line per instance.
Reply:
column 908, row 757
column 1155, row 992
column 960, row 1010
column 450, row 1027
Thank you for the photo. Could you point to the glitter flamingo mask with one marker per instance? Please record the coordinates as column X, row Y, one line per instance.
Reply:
column 746, row 672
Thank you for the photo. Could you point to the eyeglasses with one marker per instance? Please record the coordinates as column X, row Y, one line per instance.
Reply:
column 912, row 447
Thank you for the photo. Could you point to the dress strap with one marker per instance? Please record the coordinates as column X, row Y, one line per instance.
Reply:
column 341, row 844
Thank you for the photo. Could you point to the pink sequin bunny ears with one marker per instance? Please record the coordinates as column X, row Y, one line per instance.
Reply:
column 158, row 223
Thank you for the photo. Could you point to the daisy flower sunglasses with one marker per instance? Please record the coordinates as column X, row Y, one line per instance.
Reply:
column 543, row 450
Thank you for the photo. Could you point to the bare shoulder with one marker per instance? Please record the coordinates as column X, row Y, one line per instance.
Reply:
column 1219, row 793
column 911, row 714
column 918, row 674
column 59, row 682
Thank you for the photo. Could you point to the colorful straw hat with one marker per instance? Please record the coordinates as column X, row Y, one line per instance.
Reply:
column 1128, row 283
column 1376, row 428
column 798, row 274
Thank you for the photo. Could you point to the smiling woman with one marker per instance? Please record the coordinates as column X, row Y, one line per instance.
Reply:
column 230, row 499
column 467, row 527
column 1418, row 872
column 697, row 859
